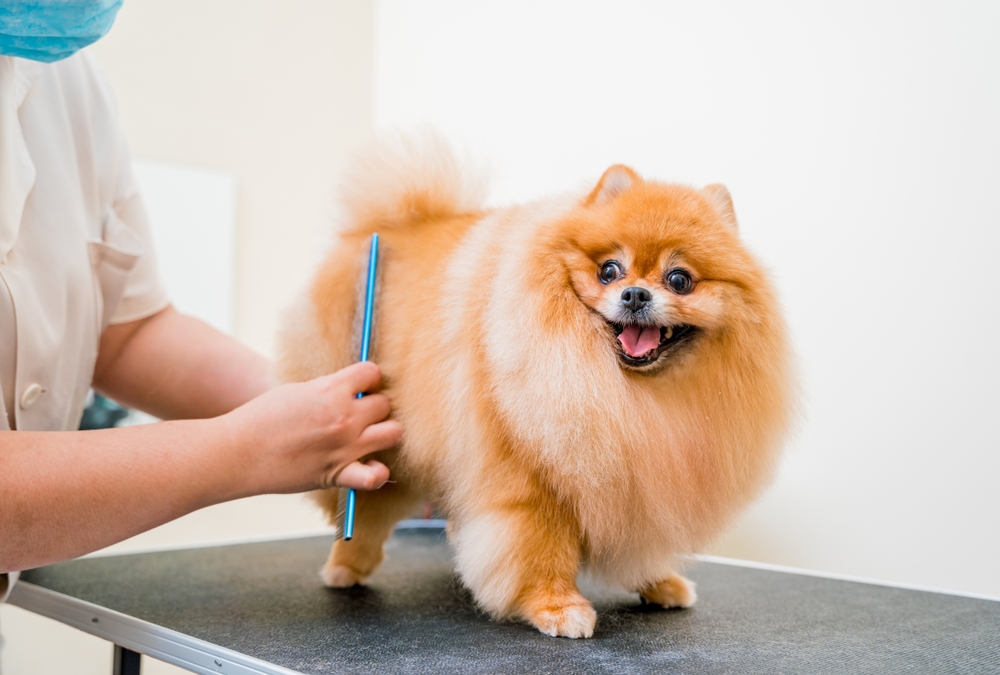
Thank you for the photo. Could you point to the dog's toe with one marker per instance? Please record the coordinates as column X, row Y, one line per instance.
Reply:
column 572, row 621
column 339, row 576
column 674, row 591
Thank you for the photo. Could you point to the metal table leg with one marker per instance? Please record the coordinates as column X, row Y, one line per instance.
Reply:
column 125, row 661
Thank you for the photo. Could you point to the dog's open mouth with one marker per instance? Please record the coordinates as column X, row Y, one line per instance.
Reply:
column 641, row 345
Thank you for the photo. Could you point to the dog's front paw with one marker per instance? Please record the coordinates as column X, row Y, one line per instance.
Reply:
column 574, row 620
column 674, row 591
column 339, row 576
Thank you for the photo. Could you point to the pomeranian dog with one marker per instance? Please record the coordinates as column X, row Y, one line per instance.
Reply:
column 598, row 381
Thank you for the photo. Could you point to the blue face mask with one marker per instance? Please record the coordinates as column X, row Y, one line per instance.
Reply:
column 50, row 30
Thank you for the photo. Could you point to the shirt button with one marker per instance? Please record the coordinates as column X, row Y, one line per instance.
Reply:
column 31, row 394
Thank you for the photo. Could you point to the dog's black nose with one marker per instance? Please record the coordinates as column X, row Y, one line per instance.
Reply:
column 635, row 298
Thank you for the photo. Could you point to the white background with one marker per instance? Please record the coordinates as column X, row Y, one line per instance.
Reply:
column 861, row 143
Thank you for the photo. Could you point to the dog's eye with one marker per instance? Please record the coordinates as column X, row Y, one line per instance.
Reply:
column 610, row 272
column 679, row 281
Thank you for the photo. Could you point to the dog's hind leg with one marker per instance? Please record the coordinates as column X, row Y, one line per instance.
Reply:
column 352, row 562
column 673, row 591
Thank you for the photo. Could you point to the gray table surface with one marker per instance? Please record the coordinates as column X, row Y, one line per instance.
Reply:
column 265, row 600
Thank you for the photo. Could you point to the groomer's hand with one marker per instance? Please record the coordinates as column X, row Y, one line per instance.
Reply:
column 314, row 434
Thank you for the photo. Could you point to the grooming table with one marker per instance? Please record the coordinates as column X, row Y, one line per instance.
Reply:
column 260, row 608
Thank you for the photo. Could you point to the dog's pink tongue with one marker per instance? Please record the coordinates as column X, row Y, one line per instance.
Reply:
column 637, row 340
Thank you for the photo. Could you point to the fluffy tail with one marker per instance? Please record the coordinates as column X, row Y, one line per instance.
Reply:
column 408, row 179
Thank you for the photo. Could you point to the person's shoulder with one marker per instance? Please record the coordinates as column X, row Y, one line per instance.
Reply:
column 93, row 111
column 82, row 75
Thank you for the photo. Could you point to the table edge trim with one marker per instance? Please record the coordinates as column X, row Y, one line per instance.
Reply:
column 147, row 638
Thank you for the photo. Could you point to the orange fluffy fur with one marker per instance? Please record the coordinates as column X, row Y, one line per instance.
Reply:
column 545, row 452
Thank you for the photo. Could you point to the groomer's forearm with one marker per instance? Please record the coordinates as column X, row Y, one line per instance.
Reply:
column 136, row 478
column 177, row 367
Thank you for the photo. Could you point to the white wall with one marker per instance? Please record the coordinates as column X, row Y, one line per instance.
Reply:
column 860, row 142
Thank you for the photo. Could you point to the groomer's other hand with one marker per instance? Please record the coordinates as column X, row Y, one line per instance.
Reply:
column 314, row 434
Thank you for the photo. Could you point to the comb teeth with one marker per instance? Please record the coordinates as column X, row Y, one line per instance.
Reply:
column 346, row 499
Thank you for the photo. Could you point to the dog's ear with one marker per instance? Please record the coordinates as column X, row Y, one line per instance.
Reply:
column 615, row 181
column 720, row 198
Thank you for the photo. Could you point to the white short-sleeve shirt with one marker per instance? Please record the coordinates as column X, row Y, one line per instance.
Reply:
column 76, row 252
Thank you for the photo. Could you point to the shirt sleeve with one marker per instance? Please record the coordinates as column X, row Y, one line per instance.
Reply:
column 145, row 292
column 7, row 581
